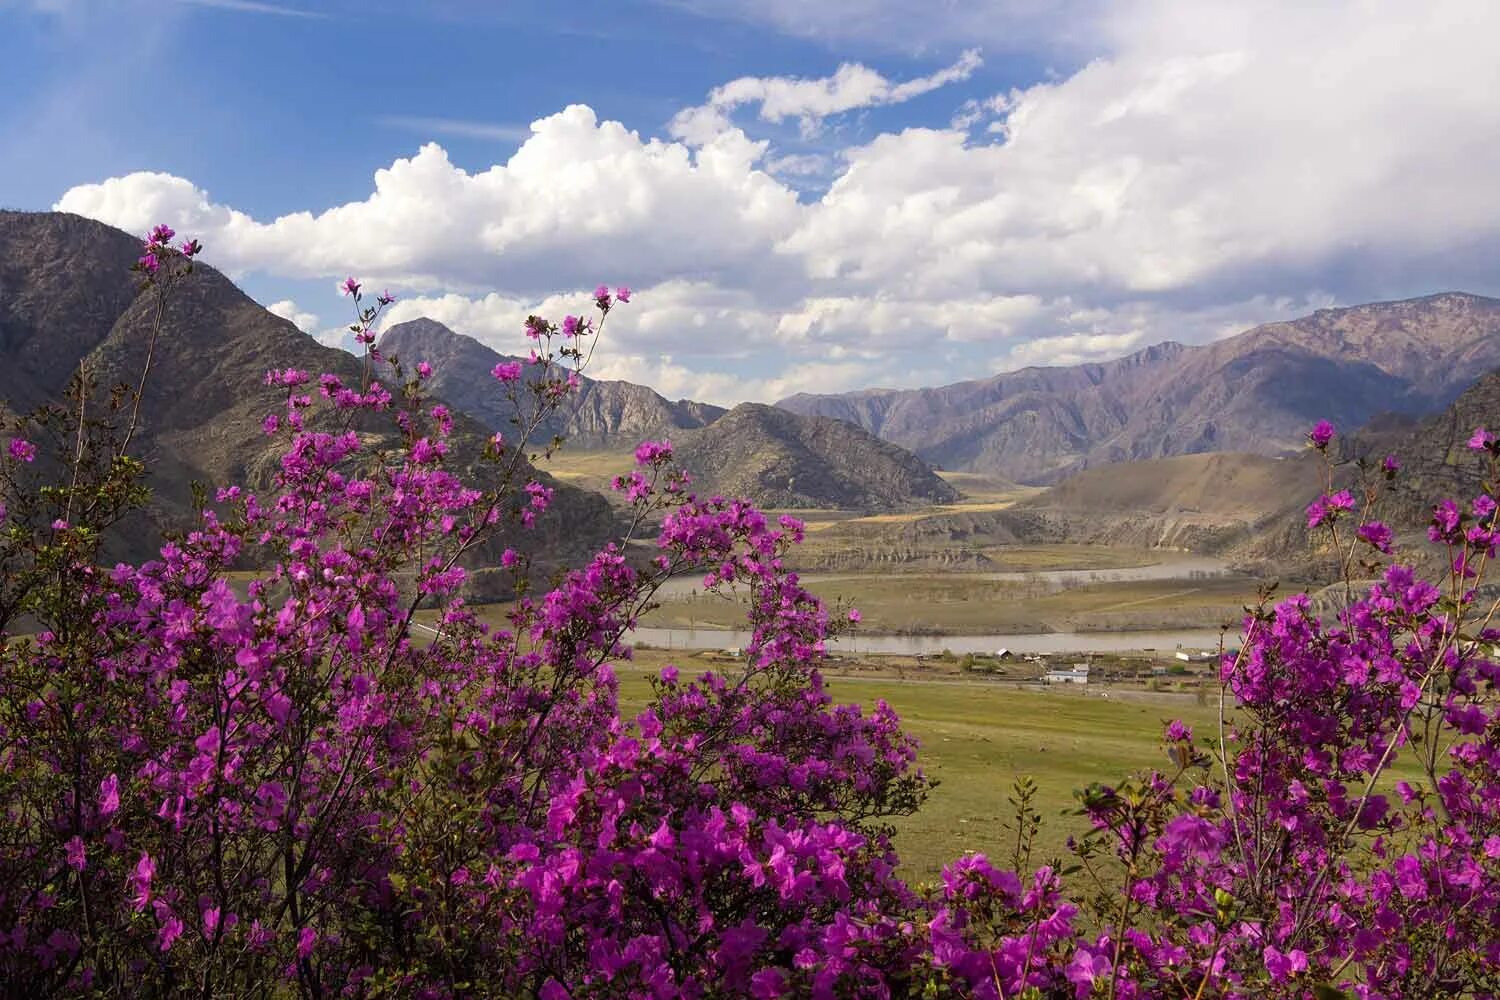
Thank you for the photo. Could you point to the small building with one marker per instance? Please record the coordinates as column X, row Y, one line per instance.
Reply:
column 1078, row 673
column 1004, row 654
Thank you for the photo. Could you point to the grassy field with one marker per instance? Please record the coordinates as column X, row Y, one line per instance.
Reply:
column 958, row 603
column 978, row 737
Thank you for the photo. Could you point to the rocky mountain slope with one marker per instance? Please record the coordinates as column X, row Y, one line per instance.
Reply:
column 1251, row 509
column 66, row 295
column 602, row 414
column 780, row 459
column 1256, row 392
column 1205, row 503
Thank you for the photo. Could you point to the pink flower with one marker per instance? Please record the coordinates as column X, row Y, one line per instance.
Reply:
column 1328, row 508
column 1192, row 837
column 77, row 854
column 161, row 235
column 653, row 452
column 767, row 984
column 1482, row 439
column 22, row 450
column 140, row 880
column 149, row 263
column 623, row 293
column 307, row 939
column 1086, row 969
column 1377, row 535
column 170, row 925
column 601, row 298
column 424, row 370
column 349, row 287
column 385, row 298
column 1179, row 732
column 109, row 796
column 1390, row 465
column 191, row 248
column 1321, row 434
column 570, row 326
column 507, row 371
column 855, row 616
column 1283, row 966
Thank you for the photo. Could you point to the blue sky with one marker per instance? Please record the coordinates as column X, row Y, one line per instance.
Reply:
column 809, row 195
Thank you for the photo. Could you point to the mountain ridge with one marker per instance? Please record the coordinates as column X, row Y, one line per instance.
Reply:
column 67, row 294
column 601, row 413
column 1256, row 391
column 781, row 459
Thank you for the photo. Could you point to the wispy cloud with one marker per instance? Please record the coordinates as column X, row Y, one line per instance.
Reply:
column 852, row 87
column 458, row 127
column 255, row 7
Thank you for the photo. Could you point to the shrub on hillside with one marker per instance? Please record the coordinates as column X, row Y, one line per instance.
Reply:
column 290, row 789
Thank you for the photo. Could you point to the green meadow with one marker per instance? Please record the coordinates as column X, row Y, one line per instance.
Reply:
column 977, row 737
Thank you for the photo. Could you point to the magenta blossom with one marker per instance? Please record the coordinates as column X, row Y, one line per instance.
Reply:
column 109, row 796
column 1482, row 440
column 507, row 371
column 349, row 287
column 623, row 293
column 1376, row 534
column 22, row 450
column 1321, row 434
column 76, row 853
column 1327, row 508
column 653, row 452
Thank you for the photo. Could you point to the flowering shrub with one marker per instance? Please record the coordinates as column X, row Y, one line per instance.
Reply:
column 281, row 785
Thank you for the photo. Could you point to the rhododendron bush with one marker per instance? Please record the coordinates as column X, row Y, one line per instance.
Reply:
column 274, row 783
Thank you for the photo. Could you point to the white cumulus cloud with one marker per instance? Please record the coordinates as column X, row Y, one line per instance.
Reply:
column 288, row 310
column 1211, row 165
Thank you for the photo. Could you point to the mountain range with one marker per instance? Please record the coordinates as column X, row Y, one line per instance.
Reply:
column 1256, row 392
column 67, row 297
column 772, row 456
column 599, row 414
column 1203, row 427
column 783, row 459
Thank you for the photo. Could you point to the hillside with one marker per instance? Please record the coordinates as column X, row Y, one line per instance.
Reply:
column 1206, row 503
column 780, row 459
column 1436, row 463
column 601, row 414
column 66, row 294
column 1255, row 392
